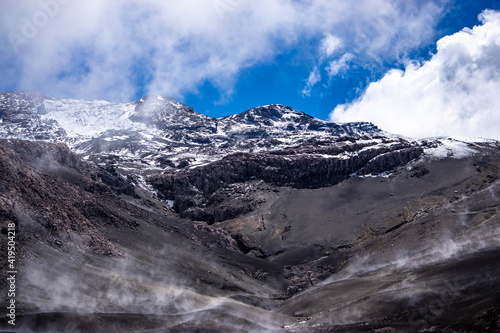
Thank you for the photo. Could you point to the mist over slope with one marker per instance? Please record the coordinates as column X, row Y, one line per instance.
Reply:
column 150, row 217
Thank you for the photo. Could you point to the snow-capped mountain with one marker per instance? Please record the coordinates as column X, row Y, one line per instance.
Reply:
column 158, row 132
column 257, row 215
column 189, row 159
column 158, row 135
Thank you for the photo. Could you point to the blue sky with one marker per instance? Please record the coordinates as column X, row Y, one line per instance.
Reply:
column 399, row 64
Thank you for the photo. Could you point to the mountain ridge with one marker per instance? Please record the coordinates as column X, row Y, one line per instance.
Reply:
column 37, row 99
column 143, row 128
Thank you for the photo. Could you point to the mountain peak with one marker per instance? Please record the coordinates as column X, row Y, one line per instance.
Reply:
column 275, row 111
column 158, row 109
column 271, row 115
column 150, row 98
column 272, row 110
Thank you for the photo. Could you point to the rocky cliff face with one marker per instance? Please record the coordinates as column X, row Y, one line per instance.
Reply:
column 213, row 192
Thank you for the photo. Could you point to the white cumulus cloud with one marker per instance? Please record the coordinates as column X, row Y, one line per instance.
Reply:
column 109, row 49
column 456, row 92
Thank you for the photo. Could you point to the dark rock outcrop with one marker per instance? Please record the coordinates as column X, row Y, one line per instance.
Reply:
column 215, row 192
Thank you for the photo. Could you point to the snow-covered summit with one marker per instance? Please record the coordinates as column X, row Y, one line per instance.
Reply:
column 158, row 132
column 277, row 118
column 270, row 112
column 164, row 110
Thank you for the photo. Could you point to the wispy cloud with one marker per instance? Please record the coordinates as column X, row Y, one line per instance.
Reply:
column 454, row 93
column 338, row 66
column 370, row 33
column 330, row 44
column 314, row 77
column 112, row 50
